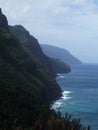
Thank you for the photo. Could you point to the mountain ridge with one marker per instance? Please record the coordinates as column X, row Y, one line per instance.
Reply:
column 32, row 45
column 59, row 53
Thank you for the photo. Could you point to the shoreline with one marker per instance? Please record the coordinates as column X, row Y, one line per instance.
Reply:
column 57, row 105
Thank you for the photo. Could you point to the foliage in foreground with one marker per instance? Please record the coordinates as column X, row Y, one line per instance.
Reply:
column 47, row 120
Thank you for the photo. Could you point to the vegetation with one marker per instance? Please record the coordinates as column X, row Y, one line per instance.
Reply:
column 47, row 120
column 24, row 85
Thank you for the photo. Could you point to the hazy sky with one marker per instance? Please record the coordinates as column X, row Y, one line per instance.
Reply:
column 71, row 24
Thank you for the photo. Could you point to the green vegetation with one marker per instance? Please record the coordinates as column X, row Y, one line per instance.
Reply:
column 24, row 82
column 46, row 120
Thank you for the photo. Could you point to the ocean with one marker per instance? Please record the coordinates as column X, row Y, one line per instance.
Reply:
column 80, row 94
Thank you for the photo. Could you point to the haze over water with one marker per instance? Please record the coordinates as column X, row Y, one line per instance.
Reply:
column 80, row 96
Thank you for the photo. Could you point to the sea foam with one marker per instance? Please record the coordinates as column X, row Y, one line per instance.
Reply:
column 57, row 105
column 65, row 95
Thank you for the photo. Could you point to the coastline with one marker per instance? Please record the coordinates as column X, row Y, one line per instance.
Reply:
column 82, row 83
column 57, row 105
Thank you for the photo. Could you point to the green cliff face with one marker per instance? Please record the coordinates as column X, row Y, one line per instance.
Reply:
column 24, row 81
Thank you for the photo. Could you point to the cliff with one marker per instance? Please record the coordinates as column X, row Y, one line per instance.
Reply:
column 25, row 83
column 31, row 45
column 59, row 53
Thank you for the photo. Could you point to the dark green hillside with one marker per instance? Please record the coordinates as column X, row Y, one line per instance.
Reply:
column 24, row 83
column 59, row 66
column 32, row 46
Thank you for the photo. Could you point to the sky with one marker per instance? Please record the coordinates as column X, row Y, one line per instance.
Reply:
column 69, row 24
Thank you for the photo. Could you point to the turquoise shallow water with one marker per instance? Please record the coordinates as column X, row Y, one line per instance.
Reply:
column 80, row 96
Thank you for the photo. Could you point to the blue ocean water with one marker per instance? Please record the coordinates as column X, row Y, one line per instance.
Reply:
column 80, row 94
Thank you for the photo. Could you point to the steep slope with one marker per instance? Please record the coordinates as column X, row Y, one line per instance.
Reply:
column 24, row 82
column 59, row 53
column 32, row 46
column 27, row 41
